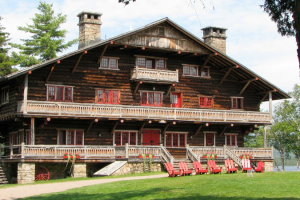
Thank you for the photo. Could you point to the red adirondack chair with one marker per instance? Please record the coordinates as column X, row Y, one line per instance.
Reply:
column 198, row 168
column 213, row 167
column 171, row 170
column 246, row 165
column 184, row 169
column 230, row 166
column 260, row 167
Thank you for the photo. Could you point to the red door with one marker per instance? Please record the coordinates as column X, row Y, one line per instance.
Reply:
column 151, row 137
column 176, row 100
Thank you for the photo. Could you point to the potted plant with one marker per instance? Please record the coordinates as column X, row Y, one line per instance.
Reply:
column 246, row 156
column 70, row 156
column 147, row 155
column 210, row 155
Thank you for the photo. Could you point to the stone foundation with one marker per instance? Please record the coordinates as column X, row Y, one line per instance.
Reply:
column 269, row 166
column 79, row 170
column 137, row 168
column 26, row 173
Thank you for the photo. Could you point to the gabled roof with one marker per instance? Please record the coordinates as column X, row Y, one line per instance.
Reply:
column 262, row 84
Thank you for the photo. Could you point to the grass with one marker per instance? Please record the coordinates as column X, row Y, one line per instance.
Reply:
column 272, row 185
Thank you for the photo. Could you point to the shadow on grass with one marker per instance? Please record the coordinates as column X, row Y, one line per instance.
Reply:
column 156, row 193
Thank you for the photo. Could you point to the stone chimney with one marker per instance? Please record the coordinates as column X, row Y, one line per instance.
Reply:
column 216, row 37
column 89, row 28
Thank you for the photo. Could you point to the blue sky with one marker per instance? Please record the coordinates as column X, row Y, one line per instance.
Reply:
column 252, row 38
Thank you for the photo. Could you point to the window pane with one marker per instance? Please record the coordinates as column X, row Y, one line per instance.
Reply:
column 239, row 103
column 144, row 98
column 59, row 93
column 132, row 138
column 186, row 70
column 113, row 63
column 62, row 137
column 150, row 99
column 107, row 96
column 157, row 99
column 168, row 139
column 174, row 98
column 124, row 138
column 149, row 64
column 202, row 102
column 79, row 138
column 70, row 137
column 141, row 62
column 175, row 140
column 68, row 94
column 160, row 64
column 233, row 140
column 51, row 93
column 182, row 140
column 104, row 63
column 228, row 140
column 118, row 138
column 204, row 72
column 100, row 98
column 28, row 137
column 115, row 97
column 194, row 71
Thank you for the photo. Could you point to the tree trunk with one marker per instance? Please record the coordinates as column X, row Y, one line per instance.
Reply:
column 298, row 164
column 296, row 16
column 276, row 166
column 282, row 160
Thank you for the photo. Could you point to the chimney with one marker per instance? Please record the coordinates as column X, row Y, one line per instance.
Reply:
column 215, row 37
column 89, row 28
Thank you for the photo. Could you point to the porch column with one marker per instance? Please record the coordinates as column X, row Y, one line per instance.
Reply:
column 26, row 173
column 25, row 94
column 270, row 103
column 32, row 131
column 265, row 136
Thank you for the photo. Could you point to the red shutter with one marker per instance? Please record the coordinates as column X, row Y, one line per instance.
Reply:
column 202, row 102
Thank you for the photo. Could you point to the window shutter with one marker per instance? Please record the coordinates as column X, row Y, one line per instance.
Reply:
column 209, row 102
column 202, row 102
column 234, row 102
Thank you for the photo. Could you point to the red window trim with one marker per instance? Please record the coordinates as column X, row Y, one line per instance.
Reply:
column 146, row 103
column 63, row 93
column 111, row 96
column 206, row 102
column 178, row 143
column 119, row 137
column 231, row 139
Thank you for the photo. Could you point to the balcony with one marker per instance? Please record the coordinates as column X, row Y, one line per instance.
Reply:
column 154, row 75
column 68, row 109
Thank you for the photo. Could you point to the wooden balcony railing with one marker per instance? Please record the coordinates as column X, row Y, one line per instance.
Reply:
column 154, row 75
column 140, row 112
column 127, row 151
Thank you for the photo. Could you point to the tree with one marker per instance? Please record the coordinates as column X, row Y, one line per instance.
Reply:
column 5, row 61
column 47, row 39
column 286, row 14
column 255, row 140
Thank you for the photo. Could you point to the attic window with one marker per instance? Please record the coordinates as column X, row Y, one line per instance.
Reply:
column 161, row 31
column 89, row 16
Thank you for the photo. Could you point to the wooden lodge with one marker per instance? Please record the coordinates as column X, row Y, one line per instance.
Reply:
column 157, row 89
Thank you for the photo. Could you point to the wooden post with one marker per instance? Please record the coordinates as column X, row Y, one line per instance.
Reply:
column 32, row 131
column 55, row 152
column 11, row 153
column 22, row 149
column 25, row 94
column 126, row 150
column 270, row 103
column 265, row 136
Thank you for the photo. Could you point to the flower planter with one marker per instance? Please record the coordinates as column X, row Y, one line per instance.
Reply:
column 246, row 157
column 209, row 157
column 146, row 156
column 71, row 157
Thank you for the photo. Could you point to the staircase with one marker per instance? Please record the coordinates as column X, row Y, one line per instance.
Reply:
column 3, row 179
column 188, row 162
column 232, row 155
column 109, row 169
column 179, row 155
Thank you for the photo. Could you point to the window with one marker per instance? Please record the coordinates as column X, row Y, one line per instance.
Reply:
column 161, row 31
column 151, row 63
column 175, row 139
column 193, row 70
column 209, row 138
column 107, row 96
column 230, row 139
column 28, row 137
column 206, row 102
column 151, row 98
column 237, row 102
column 70, row 137
column 4, row 95
column 109, row 63
column 123, row 137
column 14, row 138
column 59, row 93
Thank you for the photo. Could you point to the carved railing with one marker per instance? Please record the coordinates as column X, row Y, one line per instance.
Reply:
column 143, row 112
column 165, row 154
column 190, row 154
column 154, row 75
column 233, row 156
column 139, row 150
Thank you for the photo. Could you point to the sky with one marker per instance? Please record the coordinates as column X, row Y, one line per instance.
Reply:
column 252, row 38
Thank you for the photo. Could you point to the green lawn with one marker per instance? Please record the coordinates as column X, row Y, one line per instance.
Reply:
column 272, row 185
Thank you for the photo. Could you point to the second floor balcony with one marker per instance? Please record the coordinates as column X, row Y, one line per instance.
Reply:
column 70, row 109
column 154, row 75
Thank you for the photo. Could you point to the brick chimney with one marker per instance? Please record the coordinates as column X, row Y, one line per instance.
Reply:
column 215, row 37
column 89, row 28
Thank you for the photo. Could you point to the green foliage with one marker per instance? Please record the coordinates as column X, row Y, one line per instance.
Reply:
column 46, row 39
column 5, row 61
column 273, row 185
column 255, row 139
column 281, row 12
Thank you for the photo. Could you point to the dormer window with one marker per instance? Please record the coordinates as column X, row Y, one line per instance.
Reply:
column 193, row 70
column 151, row 62
column 109, row 63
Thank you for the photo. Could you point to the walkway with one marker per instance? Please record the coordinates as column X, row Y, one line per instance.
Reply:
column 32, row 190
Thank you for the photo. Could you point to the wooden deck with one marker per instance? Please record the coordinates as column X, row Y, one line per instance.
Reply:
column 144, row 74
column 69, row 109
